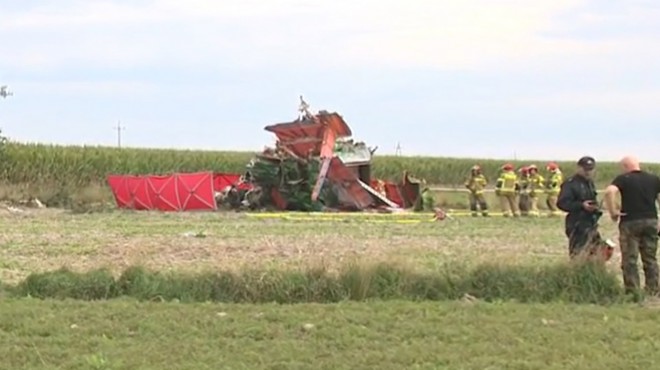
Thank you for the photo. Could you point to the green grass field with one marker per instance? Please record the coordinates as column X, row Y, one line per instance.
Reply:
column 468, row 333
column 378, row 335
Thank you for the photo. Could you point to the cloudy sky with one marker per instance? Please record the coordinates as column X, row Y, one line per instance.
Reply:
column 549, row 79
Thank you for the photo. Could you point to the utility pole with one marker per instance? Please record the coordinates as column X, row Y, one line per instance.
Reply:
column 4, row 92
column 119, row 129
column 397, row 152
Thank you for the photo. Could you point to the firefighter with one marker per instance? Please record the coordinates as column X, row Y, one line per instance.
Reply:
column 428, row 200
column 476, row 184
column 523, row 191
column 553, row 186
column 536, row 183
column 505, row 189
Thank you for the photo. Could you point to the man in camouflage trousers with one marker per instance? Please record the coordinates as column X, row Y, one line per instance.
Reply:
column 638, row 223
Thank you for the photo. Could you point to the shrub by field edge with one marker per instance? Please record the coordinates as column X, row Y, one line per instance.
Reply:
column 586, row 282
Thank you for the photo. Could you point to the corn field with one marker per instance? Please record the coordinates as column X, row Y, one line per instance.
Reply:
column 74, row 166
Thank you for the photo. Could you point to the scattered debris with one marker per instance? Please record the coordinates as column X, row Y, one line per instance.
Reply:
column 20, row 206
column 467, row 298
column 440, row 214
column 548, row 322
column 194, row 234
column 15, row 210
column 316, row 166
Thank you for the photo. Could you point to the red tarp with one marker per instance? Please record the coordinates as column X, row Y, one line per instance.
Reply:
column 222, row 180
column 176, row 192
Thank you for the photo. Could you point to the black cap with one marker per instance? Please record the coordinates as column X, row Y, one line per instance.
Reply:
column 586, row 162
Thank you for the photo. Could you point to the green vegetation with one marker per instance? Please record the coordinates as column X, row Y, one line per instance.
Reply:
column 123, row 334
column 33, row 163
column 380, row 271
column 582, row 283
column 61, row 175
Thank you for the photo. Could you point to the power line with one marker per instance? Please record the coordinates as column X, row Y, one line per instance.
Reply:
column 119, row 128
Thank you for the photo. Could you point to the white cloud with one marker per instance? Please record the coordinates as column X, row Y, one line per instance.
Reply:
column 505, row 36
column 639, row 100
column 455, row 34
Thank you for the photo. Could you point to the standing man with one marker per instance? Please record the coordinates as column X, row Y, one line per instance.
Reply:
column 577, row 197
column 536, row 183
column 505, row 189
column 523, row 191
column 553, row 187
column 638, row 222
column 476, row 184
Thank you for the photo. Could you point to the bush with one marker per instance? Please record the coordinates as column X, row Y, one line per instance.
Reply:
column 586, row 282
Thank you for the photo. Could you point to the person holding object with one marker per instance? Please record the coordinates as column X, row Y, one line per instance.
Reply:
column 577, row 197
column 638, row 222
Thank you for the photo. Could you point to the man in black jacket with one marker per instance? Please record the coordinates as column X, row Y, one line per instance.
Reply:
column 577, row 197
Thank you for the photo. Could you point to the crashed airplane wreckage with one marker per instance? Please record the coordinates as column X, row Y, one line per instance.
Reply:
column 314, row 166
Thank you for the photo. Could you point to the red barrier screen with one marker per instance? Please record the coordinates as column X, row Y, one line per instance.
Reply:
column 176, row 192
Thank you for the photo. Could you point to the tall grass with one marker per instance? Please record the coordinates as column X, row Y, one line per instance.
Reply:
column 582, row 283
column 81, row 166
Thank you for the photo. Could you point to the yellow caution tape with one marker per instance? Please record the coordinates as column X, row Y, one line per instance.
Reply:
column 347, row 215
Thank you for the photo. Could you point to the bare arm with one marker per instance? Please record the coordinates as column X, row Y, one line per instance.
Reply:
column 610, row 192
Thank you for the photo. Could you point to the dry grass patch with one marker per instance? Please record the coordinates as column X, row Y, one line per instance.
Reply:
column 41, row 240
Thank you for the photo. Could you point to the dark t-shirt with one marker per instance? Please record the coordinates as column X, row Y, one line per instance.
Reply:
column 639, row 191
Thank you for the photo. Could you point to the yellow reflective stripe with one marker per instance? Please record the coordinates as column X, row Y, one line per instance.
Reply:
column 509, row 182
